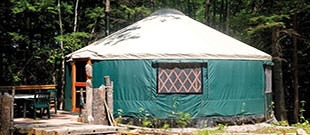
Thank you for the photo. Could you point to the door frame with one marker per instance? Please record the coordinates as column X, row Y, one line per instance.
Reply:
column 77, row 84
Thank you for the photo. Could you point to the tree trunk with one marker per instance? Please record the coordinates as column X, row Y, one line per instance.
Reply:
column 75, row 20
column 62, row 89
column 94, row 27
column 278, row 75
column 227, row 16
column 207, row 12
column 76, row 15
column 296, row 90
column 107, row 17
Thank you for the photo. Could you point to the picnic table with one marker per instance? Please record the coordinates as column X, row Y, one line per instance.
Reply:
column 25, row 99
column 24, row 96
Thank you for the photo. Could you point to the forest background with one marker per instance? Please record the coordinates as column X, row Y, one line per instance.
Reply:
column 35, row 35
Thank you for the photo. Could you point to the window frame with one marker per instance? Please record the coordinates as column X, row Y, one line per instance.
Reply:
column 201, row 65
column 268, row 78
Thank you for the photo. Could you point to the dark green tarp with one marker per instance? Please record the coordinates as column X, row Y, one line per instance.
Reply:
column 68, row 88
column 230, row 87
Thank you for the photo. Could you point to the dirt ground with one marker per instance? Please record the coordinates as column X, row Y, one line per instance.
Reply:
column 251, row 129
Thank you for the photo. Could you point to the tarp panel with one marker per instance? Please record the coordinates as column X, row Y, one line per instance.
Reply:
column 130, row 78
column 228, row 88
column 132, row 107
column 231, row 107
column 234, row 84
column 235, row 79
column 68, row 87
column 183, row 103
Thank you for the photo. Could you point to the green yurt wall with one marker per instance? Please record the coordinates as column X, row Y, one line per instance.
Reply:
column 230, row 87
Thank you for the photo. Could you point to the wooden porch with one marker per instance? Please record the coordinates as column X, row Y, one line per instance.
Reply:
column 62, row 123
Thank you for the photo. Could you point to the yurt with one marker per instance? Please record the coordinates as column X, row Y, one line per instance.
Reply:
column 168, row 62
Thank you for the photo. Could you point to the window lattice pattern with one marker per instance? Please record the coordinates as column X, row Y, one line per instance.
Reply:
column 179, row 78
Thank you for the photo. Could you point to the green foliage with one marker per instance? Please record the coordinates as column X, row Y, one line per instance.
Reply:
column 95, row 14
column 174, row 106
column 304, row 123
column 183, row 119
column 146, row 122
column 120, row 114
column 144, row 114
column 141, row 113
column 221, row 126
column 209, row 132
column 270, row 110
column 17, row 37
column 301, row 111
column 264, row 22
column 73, row 41
column 16, row 79
column 166, row 126
column 280, row 123
column 243, row 108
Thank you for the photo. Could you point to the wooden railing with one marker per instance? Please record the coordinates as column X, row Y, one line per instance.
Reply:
column 28, row 87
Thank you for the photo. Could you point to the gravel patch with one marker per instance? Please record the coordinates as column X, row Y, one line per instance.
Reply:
column 254, row 127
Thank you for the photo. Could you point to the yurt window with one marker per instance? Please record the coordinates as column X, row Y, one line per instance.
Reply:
column 268, row 79
column 179, row 78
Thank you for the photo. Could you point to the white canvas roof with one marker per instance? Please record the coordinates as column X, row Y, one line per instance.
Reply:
column 168, row 34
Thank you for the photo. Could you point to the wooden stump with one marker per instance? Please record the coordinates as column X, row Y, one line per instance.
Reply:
column 98, row 109
column 84, row 111
column 6, row 113
column 109, row 93
column 87, row 116
column 99, row 103
column 89, row 101
column 89, row 97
